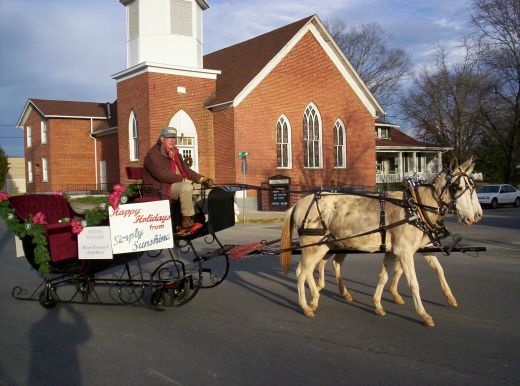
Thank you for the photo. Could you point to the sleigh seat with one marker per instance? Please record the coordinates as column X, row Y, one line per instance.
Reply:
column 62, row 243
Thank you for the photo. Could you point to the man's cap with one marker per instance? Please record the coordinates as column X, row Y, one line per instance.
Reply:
column 169, row 132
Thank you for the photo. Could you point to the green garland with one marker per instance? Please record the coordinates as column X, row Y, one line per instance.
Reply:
column 23, row 228
column 27, row 228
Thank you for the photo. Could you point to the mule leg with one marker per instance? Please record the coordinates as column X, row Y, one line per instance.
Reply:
column 310, row 258
column 383, row 278
column 321, row 273
column 337, row 263
column 398, row 272
column 408, row 266
column 434, row 263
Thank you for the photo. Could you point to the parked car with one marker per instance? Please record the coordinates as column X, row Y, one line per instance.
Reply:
column 498, row 194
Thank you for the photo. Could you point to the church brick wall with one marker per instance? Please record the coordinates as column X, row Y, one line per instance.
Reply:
column 225, row 151
column 305, row 75
column 154, row 99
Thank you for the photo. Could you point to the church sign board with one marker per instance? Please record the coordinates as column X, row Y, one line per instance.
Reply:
column 279, row 192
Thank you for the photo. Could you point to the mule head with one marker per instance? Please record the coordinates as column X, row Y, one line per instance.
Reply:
column 456, row 190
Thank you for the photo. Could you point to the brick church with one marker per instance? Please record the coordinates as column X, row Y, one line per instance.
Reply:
column 290, row 98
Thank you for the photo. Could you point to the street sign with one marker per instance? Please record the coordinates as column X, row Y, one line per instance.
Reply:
column 243, row 153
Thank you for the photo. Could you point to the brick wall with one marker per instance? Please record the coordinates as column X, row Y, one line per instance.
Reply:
column 69, row 152
column 225, row 151
column 154, row 99
column 107, row 148
column 305, row 75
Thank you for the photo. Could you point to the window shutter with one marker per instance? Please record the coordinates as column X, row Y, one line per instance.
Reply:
column 181, row 17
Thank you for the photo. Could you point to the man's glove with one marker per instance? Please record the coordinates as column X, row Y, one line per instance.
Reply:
column 207, row 182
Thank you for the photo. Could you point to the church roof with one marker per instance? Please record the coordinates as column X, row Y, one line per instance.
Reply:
column 242, row 62
column 244, row 65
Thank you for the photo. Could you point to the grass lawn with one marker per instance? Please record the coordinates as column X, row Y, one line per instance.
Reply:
column 94, row 200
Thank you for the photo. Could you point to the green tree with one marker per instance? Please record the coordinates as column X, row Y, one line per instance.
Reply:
column 4, row 167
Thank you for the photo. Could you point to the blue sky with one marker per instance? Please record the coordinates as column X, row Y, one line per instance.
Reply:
column 68, row 49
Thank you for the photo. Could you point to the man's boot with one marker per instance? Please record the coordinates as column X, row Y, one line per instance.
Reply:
column 187, row 222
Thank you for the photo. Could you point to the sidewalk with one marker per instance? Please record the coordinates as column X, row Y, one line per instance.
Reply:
column 250, row 216
column 256, row 216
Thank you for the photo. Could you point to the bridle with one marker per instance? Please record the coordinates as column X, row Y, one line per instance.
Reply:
column 450, row 188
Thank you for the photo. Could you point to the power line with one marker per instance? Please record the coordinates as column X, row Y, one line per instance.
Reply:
column 11, row 137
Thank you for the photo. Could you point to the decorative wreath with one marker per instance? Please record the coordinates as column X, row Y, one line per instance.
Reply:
column 33, row 225
column 188, row 160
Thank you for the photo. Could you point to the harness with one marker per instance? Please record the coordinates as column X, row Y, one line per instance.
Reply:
column 415, row 211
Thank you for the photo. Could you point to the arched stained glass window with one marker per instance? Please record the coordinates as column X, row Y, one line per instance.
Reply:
column 340, row 148
column 312, row 157
column 283, row 143
column 133, row 137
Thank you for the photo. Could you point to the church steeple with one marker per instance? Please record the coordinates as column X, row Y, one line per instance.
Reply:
column 167, row 32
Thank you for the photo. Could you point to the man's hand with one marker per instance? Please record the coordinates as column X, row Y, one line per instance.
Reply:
column 206, row 181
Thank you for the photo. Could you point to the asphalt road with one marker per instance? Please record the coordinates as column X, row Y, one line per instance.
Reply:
column 250, row 330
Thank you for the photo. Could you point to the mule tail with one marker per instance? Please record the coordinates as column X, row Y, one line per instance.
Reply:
column 286, row 241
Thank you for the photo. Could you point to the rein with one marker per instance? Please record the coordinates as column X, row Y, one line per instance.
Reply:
column 415, row 212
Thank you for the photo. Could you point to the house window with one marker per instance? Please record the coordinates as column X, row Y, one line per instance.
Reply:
column 29, row 136
column 43, row 126
column 133, row 137
column 383, row 132
column 311, row 137
column 339, row 145
column 29, row 171
column 283, row 143
column 45, row 171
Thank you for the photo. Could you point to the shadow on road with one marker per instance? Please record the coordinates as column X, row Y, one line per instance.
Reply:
column 54, row 358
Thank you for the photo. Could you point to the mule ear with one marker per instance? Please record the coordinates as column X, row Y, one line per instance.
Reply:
column 468, row 165
column 454, row 164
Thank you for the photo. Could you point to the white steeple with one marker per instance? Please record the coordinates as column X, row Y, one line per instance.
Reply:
column 168, row 32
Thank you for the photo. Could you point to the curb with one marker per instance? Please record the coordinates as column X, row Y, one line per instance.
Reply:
column 259, row 220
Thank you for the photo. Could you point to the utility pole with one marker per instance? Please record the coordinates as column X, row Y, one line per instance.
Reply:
column 243, row 155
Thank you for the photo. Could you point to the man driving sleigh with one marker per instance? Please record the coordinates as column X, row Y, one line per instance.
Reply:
column 168, row 176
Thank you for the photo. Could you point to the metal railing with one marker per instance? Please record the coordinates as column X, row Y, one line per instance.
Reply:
column 399, row 177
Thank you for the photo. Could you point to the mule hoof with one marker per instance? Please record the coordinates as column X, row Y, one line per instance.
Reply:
column 429, row 322
column 398, row 299
column 380, row 312
column 348, row 298
column 452, row 302
column 309, row 313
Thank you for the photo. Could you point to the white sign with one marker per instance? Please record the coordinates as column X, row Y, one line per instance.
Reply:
column 141, row 227
column 95, row 243
column 19, row 247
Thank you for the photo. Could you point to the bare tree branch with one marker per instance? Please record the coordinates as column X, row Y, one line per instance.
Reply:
column 367, row 47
